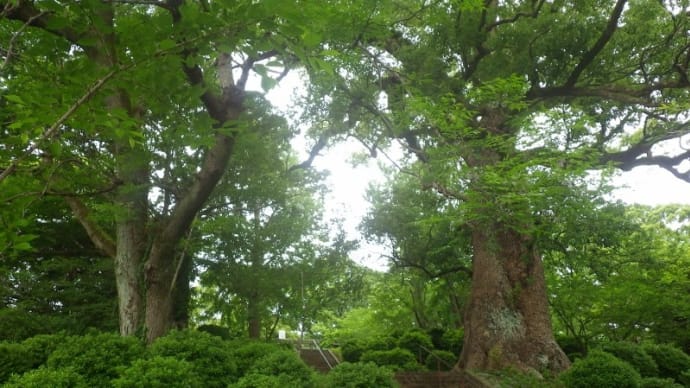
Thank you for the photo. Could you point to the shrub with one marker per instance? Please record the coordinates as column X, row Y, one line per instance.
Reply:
column 352, row 350
column 635, row 356
column 382, row 343
column 286, row 365
column 684, row 378
column 452, row 340
column 416, row 341
column 159, row 372
column 396, row 359
column 41, row 346
column 14, row 358
column 218, row 331
column 246, row 353
column 359, row 375
column 658, row 382
column 210, row 357
column 602, row 370
column 672, row 361
column 441, row 360
column 254, row 380
column 45, row 377
column 97, row 357
column 573, row 347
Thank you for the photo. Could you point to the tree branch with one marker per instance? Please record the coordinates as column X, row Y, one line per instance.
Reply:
column 48, row 133
column 599, row 45
column 27, row 12
column 100, row 238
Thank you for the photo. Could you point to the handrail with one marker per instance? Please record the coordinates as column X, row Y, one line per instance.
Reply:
column 322, row 354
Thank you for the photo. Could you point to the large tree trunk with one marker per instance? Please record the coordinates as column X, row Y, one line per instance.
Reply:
column 159, row 274
column 128, row 276
column 507, row 320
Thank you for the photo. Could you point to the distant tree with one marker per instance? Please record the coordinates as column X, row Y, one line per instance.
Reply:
column 61, row 283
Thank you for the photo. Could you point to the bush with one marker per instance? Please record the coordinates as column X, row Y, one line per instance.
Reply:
column 672, row 361
column 287, row 366
column 42, row 346
column 44, row 377
column 416, row 341
column 572, row 347
column 14, row 358
column 382, row 343
column 658, row 382
column 635, row 356
column 159, row 372
column 441, row 360
column 602, row 370
column 210, row 357
column 684, row 378
column 246, row 353
column 218, row 331
column 396, row 359
column 452, row 341
column 359, row 375
column 352, row 350
column 254, row 380
column 97, row 357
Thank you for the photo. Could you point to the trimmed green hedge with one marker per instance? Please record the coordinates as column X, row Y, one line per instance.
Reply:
column 602, row 370
column 359, row 375
column 97, row 357
column 672, row 361
column 159, row 372
column 634, row 355
column 45, row 377
column 396, row 359
column 211, row 358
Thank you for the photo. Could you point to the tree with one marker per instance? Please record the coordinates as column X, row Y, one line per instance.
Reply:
column 130, row 111
column 506, row 103
column 260, row 222
column 428, row 250
column 62, row 283
column 630, row 267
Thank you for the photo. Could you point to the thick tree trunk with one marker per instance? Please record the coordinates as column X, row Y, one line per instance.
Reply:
column 507, row 321
column 128, row 276
column 159, row 273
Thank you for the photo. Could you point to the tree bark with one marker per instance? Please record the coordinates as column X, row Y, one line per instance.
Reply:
column 507, row 321
column 254, row 316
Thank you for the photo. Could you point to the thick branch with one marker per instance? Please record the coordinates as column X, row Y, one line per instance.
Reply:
column 223, row 108
column 599, row 45
column 98, row 236
column 27, row 12
column 320, row 144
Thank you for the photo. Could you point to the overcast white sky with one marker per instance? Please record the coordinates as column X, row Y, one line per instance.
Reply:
column 348, row 184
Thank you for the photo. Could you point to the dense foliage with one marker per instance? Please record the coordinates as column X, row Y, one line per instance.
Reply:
column 150, row 182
